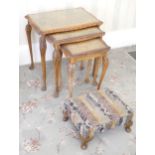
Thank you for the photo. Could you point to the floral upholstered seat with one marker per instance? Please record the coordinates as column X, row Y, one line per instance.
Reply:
column 97, row 111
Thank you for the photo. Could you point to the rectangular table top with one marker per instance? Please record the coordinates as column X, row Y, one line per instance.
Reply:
column 62, row 20
column 75, row 36
column 85, row 47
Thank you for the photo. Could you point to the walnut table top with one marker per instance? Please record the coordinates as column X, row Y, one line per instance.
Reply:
column 75, row 36
column 62, row 20
column 85, row 48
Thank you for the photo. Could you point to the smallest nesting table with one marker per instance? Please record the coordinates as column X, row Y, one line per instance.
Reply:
column 85, row 51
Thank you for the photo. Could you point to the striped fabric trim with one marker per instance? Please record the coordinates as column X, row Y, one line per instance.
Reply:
column 115, row 106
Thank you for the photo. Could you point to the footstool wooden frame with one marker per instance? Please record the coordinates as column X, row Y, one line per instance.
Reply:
column 82, row 52
column 97, row 111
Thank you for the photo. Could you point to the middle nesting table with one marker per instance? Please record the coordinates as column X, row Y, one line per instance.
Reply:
column 59, row 39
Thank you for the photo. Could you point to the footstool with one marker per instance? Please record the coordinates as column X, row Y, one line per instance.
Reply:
column 97, row 111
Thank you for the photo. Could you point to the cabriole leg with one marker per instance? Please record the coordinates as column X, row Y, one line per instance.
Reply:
column 96, row 68
column 56, row 73
column 94, row 65
column 71, row 68
column 105, row 64
column 28, row 29
column 128, row 123
column 86, row 140
column 87, row 80
column 43, row 61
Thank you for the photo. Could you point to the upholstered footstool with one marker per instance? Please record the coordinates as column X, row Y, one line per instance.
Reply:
column 97, row 111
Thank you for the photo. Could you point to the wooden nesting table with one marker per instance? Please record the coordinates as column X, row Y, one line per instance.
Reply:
column 85, row 51
column 60, row 39
column 48, row 23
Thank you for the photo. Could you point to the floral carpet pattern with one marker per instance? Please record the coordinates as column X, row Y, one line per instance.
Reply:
column 42, row 131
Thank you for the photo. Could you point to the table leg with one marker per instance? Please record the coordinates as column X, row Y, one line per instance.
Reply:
column 81, row 65
column 59, row 70
column 43, row 61
column 71, row 68
column 56, row 66
column 87, row 80
column 105, row 64
column 28, row 29
column 94, row 65
column 97, row 64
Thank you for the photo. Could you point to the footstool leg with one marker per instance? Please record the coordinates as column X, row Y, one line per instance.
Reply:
column 65, row 115
column 96, row 68
column 105, row 66
column 88, row 71
column 71, row 68
column 128, row 123
column 85, row 140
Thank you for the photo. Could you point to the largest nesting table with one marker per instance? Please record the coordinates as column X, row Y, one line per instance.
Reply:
column 53, row 22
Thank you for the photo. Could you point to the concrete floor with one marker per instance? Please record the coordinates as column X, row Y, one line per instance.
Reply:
column 42, row 131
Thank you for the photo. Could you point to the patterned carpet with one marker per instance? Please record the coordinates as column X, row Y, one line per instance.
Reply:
column 42, row 131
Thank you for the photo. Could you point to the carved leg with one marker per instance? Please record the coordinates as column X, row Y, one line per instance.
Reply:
column 88, row 71
column 81, row 65
column 71, row 68
column 43, row 61
column 65, row 115
column 56, row 73
column 94, row 65
column 28, row 29
column 97, row 64
column 105, row 64
column 59, row 71
column 128, row 123
column 85, row 140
